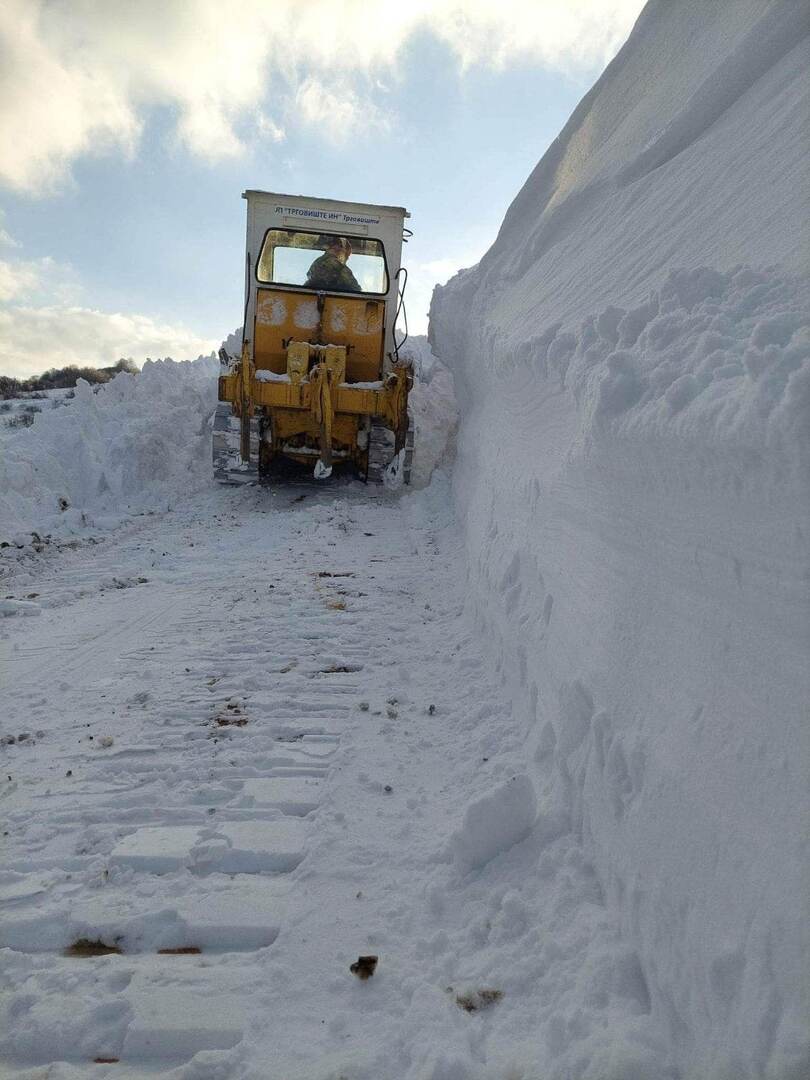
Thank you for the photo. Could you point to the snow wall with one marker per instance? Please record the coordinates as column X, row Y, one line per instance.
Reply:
column 138, row 443
column 632, row 365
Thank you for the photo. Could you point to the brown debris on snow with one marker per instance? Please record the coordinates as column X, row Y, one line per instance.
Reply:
column 364, row 966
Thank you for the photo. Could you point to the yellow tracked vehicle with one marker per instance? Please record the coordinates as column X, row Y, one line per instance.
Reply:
column 320, row 381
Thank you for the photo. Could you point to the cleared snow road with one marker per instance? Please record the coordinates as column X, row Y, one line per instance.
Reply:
column 260, row 731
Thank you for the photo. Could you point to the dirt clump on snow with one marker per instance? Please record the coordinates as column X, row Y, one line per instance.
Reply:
column 364, row 966
column 475, row 1000
column 86, row 948
column 231, row 716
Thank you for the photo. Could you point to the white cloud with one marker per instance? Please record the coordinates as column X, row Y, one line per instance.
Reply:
column 42, row 325
column 51, row 109
column 269, row 129
column 564, row 34
column 79, row 78
column 37, row 280
column 336, row 111
column 6, row 239
column 18, row 279
column 33, row 339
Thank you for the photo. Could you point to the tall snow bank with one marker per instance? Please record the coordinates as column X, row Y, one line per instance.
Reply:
column 632, row 361
column 432, row 404
column 139, row 442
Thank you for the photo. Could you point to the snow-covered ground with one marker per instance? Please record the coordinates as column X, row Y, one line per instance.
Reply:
column 532, row 733
column 261, row 727
column 20, row 412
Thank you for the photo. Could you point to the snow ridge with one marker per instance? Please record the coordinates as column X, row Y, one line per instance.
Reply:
column 710, row 361
column 140, row 442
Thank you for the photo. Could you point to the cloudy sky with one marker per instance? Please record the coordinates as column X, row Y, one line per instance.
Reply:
column 129, row 130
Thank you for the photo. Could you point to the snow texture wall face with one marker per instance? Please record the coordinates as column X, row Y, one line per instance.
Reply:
column 139, row 443
column 632, row 363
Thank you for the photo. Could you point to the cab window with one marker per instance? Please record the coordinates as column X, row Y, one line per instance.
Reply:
column 323, row 261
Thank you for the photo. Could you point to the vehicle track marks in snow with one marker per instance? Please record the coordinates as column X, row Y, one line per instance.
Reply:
column 245, row 788
column 97, row 644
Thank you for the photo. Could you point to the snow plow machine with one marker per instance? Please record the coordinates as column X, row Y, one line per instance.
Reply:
column 320, row 383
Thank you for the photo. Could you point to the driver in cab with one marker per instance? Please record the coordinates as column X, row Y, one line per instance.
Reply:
column 329, row 271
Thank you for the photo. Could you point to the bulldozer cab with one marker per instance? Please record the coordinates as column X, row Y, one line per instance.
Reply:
column 289, row 235
column 320, row 378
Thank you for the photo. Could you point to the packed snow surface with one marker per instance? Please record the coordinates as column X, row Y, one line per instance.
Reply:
column 632, row 363
column 249, row 741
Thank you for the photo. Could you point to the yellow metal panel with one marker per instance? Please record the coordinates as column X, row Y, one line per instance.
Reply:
column 297, row 396
column 360, row 402
column 353, row 321
column 334, row 356
column 225, row 388
column 288, row 395
column 297, row 360
column 287, row 423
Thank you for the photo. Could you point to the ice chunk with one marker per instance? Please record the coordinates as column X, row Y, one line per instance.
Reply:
column 235, row 847
column 291, row 794
column 494, row 823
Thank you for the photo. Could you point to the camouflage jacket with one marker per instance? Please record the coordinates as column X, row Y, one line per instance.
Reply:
column 329, row 273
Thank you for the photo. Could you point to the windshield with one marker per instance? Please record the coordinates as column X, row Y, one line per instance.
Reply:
column 323, row 261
